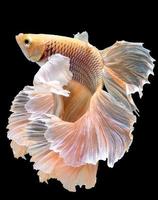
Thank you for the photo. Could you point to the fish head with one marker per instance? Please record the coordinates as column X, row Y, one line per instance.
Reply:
column 32, row 45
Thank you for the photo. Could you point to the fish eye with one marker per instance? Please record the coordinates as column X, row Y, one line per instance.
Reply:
column 27, row 42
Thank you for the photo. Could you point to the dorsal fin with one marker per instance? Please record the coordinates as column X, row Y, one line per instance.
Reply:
column 127, row 68
column 82, row 36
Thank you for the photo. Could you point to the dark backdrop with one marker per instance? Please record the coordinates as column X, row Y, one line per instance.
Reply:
column 133, row 176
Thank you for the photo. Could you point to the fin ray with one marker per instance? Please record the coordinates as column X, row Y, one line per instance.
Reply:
column 127, row 68
column 103, row 132
column 51, row 165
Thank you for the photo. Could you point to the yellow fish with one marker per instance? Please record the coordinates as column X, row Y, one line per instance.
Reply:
column 66, row 121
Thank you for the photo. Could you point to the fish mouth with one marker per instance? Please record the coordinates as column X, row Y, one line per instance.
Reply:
column 19, row 37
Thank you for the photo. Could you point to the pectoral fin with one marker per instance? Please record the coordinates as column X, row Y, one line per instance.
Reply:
column 53, row 75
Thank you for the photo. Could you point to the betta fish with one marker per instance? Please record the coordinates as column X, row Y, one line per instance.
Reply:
column 79, row 109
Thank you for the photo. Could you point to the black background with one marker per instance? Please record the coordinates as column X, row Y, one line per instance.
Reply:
column 133, row 176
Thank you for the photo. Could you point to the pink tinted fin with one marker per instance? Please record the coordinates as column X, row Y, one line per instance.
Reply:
column 39, row 104
column 19, row 119
column 18, row 150
column 51, row 165
column 119, row 89
column 17, row 123
column 127, row 68
column 103, row 132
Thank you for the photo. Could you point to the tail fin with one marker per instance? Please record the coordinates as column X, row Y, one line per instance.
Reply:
column 127, row 68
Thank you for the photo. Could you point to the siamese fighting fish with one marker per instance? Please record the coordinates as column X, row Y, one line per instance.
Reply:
column 79, row 109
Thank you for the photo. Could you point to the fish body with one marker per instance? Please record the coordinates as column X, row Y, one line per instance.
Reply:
column 85, row 60
column 66, row 121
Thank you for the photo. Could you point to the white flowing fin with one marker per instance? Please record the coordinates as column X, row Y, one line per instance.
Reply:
column 127, row 68
column 119, row 89
column 19, row 119
column 82, row 36
column 40, row 104
column 103, row 132
column 51, row 165
column 53, row 75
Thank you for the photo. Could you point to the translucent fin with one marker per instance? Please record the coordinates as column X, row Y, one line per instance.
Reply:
column 51, row 165
column 118, row 89
column 19, row 119
column 48, row 86
column 43, row 177
column 18, row 150
column 40, row 104
column 127, row 68
column 82, row 36
column 16, row 126
column 20, row 100
column 103, row 132
column 73, row 176
column 53, row 75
